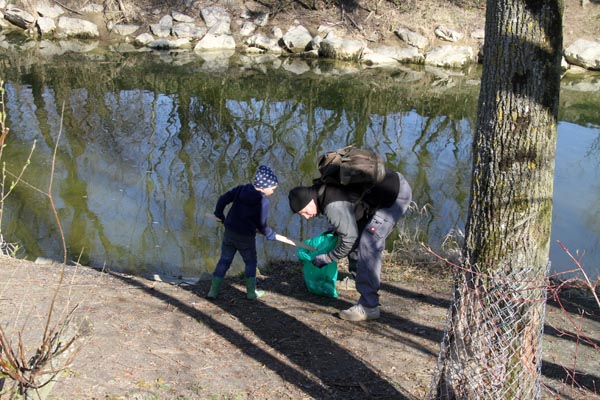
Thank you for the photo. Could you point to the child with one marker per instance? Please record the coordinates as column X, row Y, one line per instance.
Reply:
column 247, row 215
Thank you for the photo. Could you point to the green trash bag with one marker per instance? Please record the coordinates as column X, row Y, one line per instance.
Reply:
column 319, row 281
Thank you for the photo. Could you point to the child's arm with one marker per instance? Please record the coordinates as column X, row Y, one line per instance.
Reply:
column 223, row 201
column 264, row 228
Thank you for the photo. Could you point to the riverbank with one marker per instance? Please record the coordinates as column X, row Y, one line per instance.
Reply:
column 141, row 339
column 372, row 33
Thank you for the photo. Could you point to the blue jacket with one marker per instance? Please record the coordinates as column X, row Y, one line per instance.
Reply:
column 248, row 213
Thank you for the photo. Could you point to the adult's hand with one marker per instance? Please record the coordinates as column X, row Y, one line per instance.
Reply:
column 321, row 260
column 331, row 230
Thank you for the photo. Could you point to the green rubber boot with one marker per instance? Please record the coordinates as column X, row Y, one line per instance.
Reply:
column 215, row 284
column 251, row 292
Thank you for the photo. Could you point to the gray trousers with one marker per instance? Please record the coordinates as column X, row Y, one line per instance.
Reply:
column 371, row 244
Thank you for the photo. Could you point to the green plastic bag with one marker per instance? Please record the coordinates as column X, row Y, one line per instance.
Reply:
column 319, row 281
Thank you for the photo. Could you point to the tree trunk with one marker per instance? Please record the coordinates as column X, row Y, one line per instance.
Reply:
column 492, row 349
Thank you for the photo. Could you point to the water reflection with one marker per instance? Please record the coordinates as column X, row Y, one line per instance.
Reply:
column 147, row 148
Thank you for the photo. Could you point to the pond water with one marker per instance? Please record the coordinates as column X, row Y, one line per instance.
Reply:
column 144, row 147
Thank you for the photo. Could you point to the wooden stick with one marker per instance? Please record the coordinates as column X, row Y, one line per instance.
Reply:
column 293, row 242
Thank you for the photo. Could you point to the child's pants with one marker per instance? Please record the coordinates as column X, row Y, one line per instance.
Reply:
column 232, row 243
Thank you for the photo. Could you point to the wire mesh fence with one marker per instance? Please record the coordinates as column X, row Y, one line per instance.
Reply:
column 492, row 342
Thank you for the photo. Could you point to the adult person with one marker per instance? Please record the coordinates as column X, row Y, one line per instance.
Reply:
column 362, row 223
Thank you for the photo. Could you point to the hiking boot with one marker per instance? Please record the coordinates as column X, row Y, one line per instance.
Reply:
column 359, row 313
column 346, row 284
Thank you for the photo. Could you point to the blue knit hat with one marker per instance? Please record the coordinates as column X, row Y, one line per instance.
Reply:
column 264, row 178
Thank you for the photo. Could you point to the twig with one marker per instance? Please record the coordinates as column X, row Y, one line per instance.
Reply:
column 580, row 267
column 122, row 9
column 357, row 26
column 67, row 8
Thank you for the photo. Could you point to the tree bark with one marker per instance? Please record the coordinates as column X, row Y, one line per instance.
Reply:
column 492, row 349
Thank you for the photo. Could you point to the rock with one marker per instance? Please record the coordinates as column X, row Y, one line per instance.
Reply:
column 264, row 42
column 144, row 39
column 188, row 30
column 315, row 43
column 248, row 28
column 214, row 15
column 45, row 26
column 179, row 17
column 215, row 42
column 447, row 34
column 277, row 32
column 222, row 27
column 75, row 27
column 449, row 56
column 296, row 39
column 412, row 38
column 341, row 49
column 584, row 53
column 163, row 28
column 392, row 55
column 19, row 18
column 262, row 19
column 49, row 11
column 125, row 29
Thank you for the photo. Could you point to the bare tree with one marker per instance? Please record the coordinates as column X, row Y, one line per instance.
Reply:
column 492, row 347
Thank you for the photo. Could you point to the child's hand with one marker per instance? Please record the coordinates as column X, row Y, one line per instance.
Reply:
column 271, row 236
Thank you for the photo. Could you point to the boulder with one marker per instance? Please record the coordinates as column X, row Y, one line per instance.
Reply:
column 584, row 53
column 215, row 42
column 265, row 43
column 447, row 34
column 341, row 49
column 49, row 10
column 125, row 29
column 214, row 15
column 450, row 56
column 296, row 39
column 392, row 55
column 412, row 38
column 45, row 26
column 19, row 18
column 75, row 27
column 188, row 30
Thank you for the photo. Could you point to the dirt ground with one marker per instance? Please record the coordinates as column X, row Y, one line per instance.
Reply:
column 142, row 339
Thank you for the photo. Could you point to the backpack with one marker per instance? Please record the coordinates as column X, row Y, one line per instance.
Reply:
column 357, row 169
column 350, row 166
